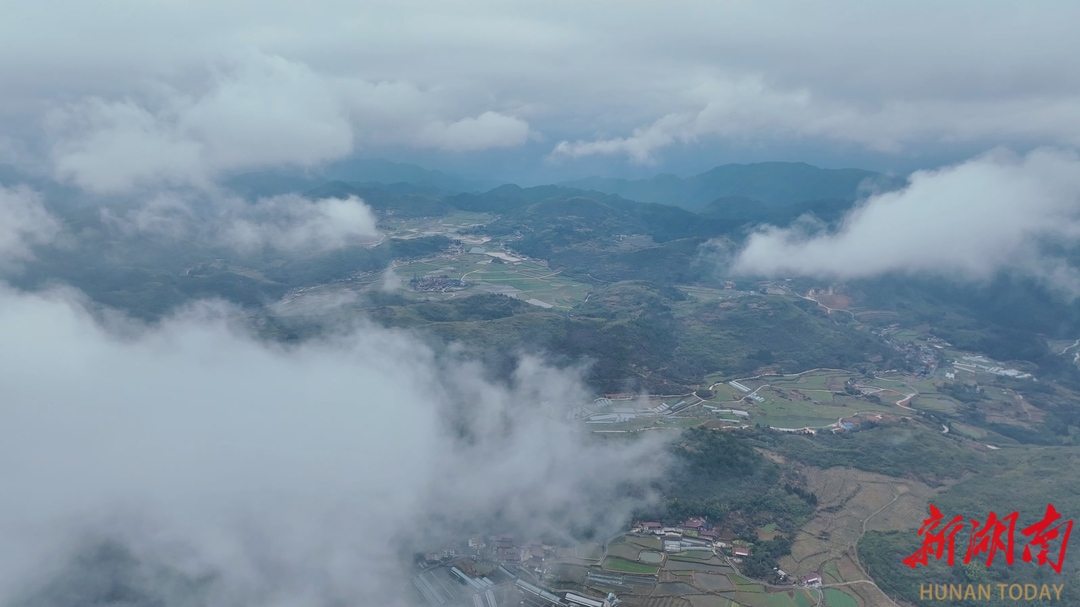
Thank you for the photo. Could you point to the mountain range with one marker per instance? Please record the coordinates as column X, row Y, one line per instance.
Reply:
column 773, row 183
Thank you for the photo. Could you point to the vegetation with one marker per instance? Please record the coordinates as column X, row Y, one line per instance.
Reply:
column 1026, row 483
column 636, row 297
column 907, row 449
column 613, row 563
column 721, row 477
column 775, row 183
column 640, row 335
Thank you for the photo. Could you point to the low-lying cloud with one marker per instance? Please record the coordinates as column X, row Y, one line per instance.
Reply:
column 748, row 109
column 260, row 111
column 267, row 111
column 488, row 130
column 288, row 223
column 293, row 223
column 24, row 223
column 230, row 471
column 996, row 212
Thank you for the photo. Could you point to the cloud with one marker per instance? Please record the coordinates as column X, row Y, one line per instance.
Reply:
column 212, row 218
column 639, row 146
column 268, row 111
column 262, row 111
column 488, row 130
column 24, row 223
column 390, row 282
column 252, row 473
column 734, row 72
column 996, row 212
column 293, row 223
column 748, row 109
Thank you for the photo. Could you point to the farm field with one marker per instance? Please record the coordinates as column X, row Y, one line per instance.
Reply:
column 591, row 552
column 851, row 502
column 906, row 335
column 807, row 400
column 698, row 556
column 833, row 573
column 624, row 550
column 621, row 565
column 713, row 583
column 687, row 567
column 696, row 579
column 526, row 280
column 837, row 598
column 752, row 599
column 710, row 600
column 723, row 393
column 767, row 532
column 411, row 227
column 707, row 293
column 791, row 598
column 653, row 543
column 865, row 499
column 822, row 379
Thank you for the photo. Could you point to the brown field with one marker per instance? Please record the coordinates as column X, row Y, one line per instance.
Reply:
column 673, row 589
column 652, row 543
column 667, row 576
column 851, row 502
column 834, row 301
column 712, row 583
column 867, row 595
column 708, row 600
column 624, row 550
column 660, row 601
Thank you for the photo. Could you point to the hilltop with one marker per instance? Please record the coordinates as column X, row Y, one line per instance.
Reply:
column 773, row 183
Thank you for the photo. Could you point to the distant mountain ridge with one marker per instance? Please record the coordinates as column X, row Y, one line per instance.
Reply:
column 773, row 183
column 271, row 182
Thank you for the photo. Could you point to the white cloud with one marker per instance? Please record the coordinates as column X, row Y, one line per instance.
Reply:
column 488, row 130
column 390, row 282
column 263, row 111
column 288, row 223
column 293, row 223
column 749, row 109
column 267, row 111
column 110, row 147
column 995, row 212
column 278, row 472
column 892, row 77
column 24, row 223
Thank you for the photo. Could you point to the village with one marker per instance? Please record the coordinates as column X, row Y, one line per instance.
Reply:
column 648, row 560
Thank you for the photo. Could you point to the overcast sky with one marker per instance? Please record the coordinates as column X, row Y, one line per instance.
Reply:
column 112, row 93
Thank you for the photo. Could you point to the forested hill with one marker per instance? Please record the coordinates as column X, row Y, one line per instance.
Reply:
column 774, row 183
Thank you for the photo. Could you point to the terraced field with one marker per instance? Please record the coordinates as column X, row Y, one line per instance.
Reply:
column 836, row 598
column 688, row 579
column 614, row 563
column 850, row 503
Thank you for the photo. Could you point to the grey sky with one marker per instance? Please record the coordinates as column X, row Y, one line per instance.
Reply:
column 625, row 79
